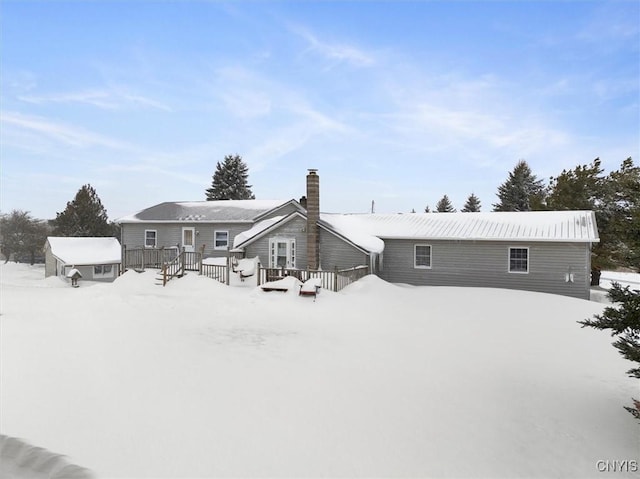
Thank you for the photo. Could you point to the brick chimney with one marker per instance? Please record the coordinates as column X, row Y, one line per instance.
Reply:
column 313, row 215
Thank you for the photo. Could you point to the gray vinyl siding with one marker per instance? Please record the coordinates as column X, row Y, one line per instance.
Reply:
column 170, row 235
column 336, row 253
column 284, row 211
column 296, row 228
column 87, row 274
column 486, row 264
column 50, row 262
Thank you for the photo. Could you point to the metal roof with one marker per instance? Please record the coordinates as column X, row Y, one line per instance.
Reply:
column 560, row 226
column 222, row 211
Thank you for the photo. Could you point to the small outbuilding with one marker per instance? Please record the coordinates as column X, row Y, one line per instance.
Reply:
column 95, row 258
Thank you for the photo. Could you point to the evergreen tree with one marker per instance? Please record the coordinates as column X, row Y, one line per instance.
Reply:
column 624, row 322
column 444, row 205
column 472, row 205
column 230, row 181
column 622, row 195
column 577, row 189
column 84, row 216
column 615, row 199
column 427, row 209
column 22, row 236
column 522, row 191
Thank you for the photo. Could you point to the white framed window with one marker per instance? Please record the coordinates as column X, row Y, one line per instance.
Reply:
column 220, row 240
column 422, row 256
column 282, row 253
column 103, row 271
column 518, row 260
column 150, row 238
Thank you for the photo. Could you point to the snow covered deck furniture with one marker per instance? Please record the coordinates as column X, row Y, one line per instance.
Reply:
column 281, row 285
column 246, row 267
column 311, row 287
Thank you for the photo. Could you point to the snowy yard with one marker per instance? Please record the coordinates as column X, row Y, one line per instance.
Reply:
column 199, row 379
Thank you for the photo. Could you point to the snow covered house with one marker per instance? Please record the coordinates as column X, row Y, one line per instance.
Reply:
column 537, row 251
column 96, row 258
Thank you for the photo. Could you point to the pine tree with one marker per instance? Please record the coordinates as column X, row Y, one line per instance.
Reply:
column 577, row 189
column 624, row 322
column 427, row 209
column 230, row 181
column 615, row 199
column 444, row 205
column 522, row 191
column 84, row 216
column 622, row 195
column 472, row 205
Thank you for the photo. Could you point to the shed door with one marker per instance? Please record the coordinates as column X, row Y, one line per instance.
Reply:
column 189, row 239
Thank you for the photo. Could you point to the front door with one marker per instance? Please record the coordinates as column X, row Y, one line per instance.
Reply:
column 282, row 253
column 189, row 239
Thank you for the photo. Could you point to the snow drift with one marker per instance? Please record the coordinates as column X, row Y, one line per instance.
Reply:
column 199, row 379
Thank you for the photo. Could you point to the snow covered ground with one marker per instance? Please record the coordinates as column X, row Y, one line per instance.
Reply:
column 199, row 379
column 600, row 293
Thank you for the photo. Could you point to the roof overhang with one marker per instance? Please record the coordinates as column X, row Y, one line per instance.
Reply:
column 269, row 229
column 484, row 239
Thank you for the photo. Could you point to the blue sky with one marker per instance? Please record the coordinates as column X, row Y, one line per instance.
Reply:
column 396, row 102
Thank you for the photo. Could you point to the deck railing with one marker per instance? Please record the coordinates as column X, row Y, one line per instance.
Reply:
column 331, row 280
column 173, row 263
column 173, row 269
column 344, row 277
column 215, row 271
column 154, row 258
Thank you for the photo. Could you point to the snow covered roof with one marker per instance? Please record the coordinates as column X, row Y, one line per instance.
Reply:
column 356, row 234
column 255, row 230
column 227, row 211
column 368, row 231
column 85, row 251
column 560, row 226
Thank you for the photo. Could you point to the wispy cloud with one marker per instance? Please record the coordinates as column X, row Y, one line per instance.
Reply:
column 246, row 103
column 277, row 117
column 306, row 125
column 335, row 51
column 611, row 22
column 63, row 133
column 107, row 99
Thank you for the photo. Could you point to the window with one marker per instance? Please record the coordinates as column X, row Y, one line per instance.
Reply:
column 220, row 239
column 104, row 270
column 422, row 256
column 518, row 260
column 150, row 238
column 282, row 253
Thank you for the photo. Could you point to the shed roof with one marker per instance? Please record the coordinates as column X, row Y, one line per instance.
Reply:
column 85, row 250
column 558, row 226
column 221, row 211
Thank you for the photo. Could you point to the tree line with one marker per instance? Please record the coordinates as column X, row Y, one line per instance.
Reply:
column 614, row 197
column 22, row 237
